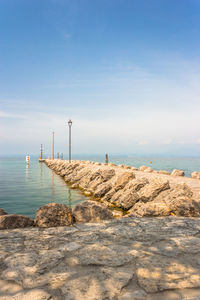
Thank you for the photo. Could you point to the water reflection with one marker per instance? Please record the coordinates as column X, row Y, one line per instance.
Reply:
column 52, row 187
column 69, row 198
column 41, row 174
column 27, row 172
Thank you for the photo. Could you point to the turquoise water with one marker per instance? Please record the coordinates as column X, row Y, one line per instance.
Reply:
column 24, row 189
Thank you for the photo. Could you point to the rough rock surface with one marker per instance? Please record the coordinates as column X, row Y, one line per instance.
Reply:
column 151, row 190
column 148, row 170
column 150, row 209
column 2, row 212
column 176, row 172
column 142, row 168
column 127, row 188
column 123, row 179
column 91, row 211
column 196, row 175
column 53, row 215
column 15, row 221
column 176, row 201
column 164, row 172
column 124, row 259
column 102, row 189
column 136, row 185
column 127, row 200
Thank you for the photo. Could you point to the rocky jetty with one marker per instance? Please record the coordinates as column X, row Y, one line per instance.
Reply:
column 123, row 259
column 139, row 192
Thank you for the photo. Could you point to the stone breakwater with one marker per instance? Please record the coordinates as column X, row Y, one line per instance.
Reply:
column 130, row 191
column 122, row 259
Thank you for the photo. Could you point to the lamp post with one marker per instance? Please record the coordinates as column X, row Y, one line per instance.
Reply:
column 70, row 126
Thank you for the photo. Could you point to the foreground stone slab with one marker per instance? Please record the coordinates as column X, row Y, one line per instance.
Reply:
column 122, row 259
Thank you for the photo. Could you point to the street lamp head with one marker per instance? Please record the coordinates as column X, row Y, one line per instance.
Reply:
column 70, row 123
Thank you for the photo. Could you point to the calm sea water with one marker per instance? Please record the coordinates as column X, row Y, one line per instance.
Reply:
column 23, row 189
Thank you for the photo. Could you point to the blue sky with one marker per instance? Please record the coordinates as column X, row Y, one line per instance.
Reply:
column 126, row 72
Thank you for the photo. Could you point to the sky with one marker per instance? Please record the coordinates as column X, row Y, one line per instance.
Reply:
column 126, row 72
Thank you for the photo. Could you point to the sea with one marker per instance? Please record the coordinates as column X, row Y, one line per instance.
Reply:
column 24, row 188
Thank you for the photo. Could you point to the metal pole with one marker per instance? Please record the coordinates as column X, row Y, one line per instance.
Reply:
column 53, row 146
column 41, row 152
column 69, row 143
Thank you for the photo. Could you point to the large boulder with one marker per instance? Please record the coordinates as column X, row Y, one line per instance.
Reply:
column 116, row 196
column 142, row 168
column 2, row 212
column 150, row 209
column 148, row 170
column 102, row 189
column 95, row 174
column 151, row 190
column 123, row 179
column 92, row 186
column 195, row 175
column 127, row 167
column 176, row 172
column 163, row 172
column 109, row 195
column 63, row 172
column 178, row 191
column 84, row 177
column 15, row 221
column 98, row 182
column 53, row 215
column 136, row 184
column 181, row 202
column 175, row 201
column 111, row 165
column 127, row 199
column 91, row 211
column 185, row 207
column 107, row 174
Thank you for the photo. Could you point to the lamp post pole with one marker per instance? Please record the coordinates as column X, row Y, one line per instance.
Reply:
column 70, row 126
column 41, row 152
column 53, row 145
